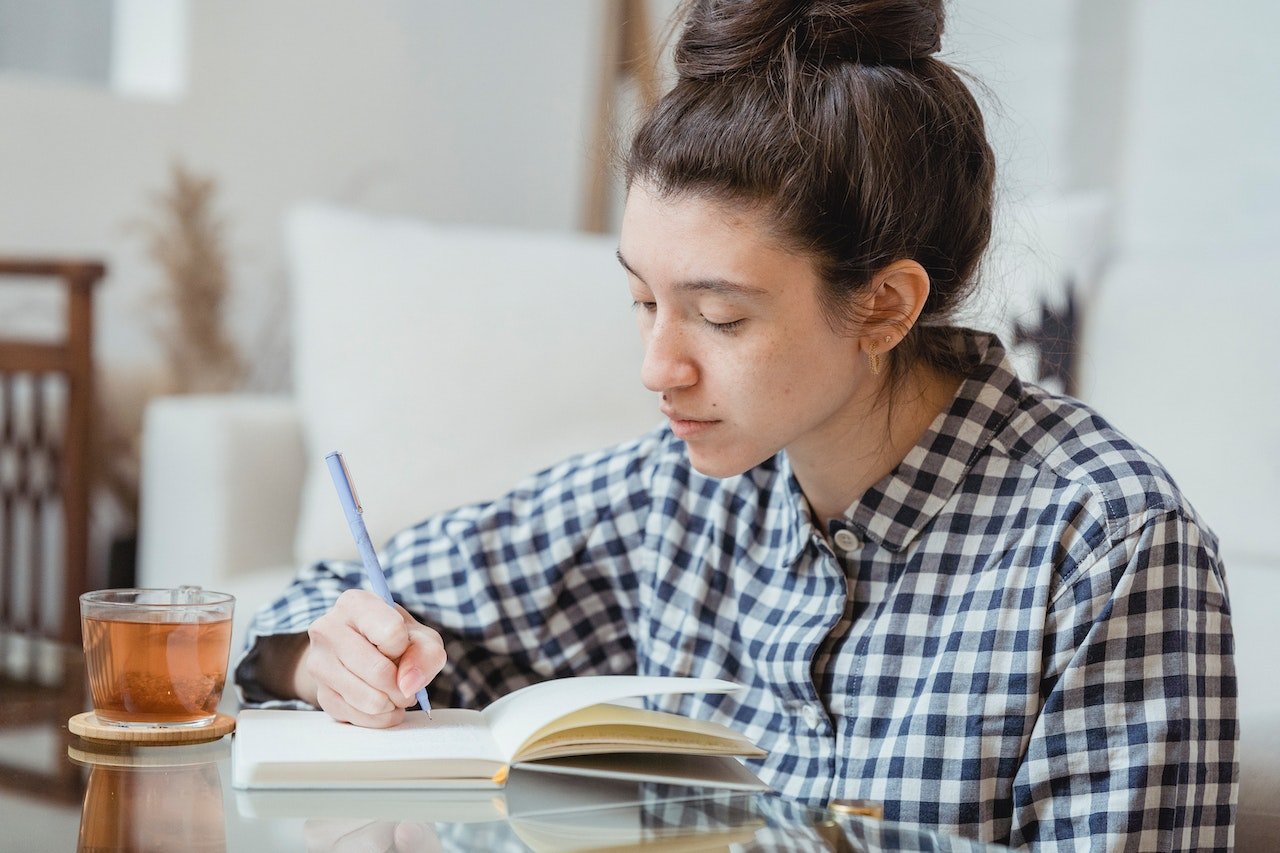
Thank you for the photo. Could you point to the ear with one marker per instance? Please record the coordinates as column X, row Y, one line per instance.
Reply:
column 898, row 294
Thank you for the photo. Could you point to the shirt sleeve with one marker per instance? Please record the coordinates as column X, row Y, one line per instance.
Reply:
column 1135, row 747
column 537, row 584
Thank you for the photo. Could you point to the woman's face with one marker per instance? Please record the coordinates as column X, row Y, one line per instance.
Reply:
column 734, row 336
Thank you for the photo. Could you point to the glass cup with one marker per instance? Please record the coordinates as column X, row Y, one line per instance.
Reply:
column 156, row 657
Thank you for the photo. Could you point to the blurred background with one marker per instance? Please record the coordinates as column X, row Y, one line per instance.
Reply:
column 169, row 139
column 174, row 142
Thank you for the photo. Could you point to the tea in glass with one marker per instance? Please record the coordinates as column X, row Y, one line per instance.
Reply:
column 156, row 657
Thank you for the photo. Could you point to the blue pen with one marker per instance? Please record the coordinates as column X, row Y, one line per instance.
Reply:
column 355, row 520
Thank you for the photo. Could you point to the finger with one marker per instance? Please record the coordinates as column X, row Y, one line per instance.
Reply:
column 421, row 662
column 357, row 655
column 346, row 645
column 354, row 688
column 370, row 616
column 335, row 706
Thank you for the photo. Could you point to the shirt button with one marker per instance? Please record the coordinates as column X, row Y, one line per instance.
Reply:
column 846, row 540
column 810, row 716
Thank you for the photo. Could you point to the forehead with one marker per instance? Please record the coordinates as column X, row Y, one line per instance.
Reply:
column 686, row 235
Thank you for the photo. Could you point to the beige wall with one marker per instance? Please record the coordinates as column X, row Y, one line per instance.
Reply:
column 478, row 112
column 465, row 112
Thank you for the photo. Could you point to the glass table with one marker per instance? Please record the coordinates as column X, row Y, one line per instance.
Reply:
column 60, row 792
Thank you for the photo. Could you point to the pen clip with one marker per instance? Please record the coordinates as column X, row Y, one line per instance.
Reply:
column 350, row 485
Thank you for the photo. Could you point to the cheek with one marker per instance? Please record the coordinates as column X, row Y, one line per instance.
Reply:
column 808, row 371
column 746, row 371
column 786, row 367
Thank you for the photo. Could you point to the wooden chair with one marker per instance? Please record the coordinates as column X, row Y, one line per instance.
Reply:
column 47, row 464
column 46, row 404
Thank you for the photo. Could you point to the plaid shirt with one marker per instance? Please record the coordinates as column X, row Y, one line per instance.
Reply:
column 1021, row 634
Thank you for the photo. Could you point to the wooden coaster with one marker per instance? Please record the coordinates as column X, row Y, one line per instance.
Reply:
column 89, row 727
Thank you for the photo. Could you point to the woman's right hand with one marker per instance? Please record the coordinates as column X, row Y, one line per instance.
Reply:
column 365, row 661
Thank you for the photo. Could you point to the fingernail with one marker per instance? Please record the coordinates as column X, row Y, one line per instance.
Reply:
column 412, row 680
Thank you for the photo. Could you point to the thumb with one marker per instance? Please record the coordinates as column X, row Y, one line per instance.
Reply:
column 421, row 662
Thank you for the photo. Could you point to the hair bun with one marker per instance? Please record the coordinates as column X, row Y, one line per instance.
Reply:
column 871, row 31
column 727, row 36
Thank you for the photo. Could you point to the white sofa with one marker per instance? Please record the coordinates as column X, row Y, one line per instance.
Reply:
column 448, row 362
column 445, row 362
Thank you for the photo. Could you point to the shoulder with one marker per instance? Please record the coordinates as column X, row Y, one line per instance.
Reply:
column 1066, row 440
column 1092, row 474
column 1050, row 471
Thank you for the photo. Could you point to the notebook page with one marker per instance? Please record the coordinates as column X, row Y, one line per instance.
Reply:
column 313, row 737
column 516, row 716
column 608, row 723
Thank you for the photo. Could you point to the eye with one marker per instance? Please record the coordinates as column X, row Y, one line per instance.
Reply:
column 725, row 328
column 647, row 307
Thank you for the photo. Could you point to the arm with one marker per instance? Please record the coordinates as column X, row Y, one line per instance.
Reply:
column 534, row 585
column 1135, row 745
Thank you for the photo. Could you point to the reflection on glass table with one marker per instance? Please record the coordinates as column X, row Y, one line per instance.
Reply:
column 544, row 813
column 122, row 797
column 179, row 798
column 157, row 799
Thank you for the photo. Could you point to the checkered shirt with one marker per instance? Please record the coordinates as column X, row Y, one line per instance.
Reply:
column 1021, row 634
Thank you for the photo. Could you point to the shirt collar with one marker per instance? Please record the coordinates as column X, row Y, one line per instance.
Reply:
column 798, row 529
column 896, row 509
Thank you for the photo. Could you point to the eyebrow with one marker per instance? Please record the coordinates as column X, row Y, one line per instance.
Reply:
column 719, row 286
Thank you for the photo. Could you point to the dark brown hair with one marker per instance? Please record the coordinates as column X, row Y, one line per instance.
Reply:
column 835, row 118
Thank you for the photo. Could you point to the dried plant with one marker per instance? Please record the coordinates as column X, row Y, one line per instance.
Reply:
column 186, row 241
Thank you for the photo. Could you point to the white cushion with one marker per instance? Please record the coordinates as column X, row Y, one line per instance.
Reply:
column 447, row 362
column 1182, row 358
column 221, row 481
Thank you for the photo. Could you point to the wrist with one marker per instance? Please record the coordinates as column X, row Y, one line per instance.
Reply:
column 304, row 685
column 280, row 667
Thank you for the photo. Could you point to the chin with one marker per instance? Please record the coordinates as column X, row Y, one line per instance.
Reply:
column 721, row 466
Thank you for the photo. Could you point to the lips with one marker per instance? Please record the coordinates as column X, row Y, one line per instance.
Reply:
column 686, row 427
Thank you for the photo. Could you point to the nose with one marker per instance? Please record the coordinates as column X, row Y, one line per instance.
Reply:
column 668, row 365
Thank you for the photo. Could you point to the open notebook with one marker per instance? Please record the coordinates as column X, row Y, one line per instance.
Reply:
column 563, row 726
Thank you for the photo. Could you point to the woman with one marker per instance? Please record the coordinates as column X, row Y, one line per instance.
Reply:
column 945, row 589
